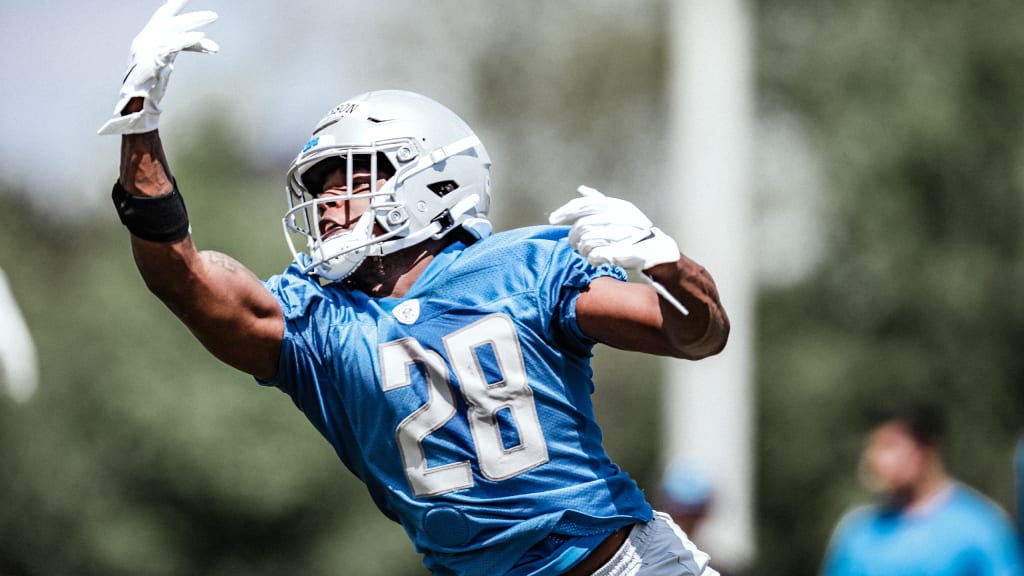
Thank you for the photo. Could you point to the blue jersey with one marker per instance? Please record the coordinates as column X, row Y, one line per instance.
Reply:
column 465, row 405
column 962, row 534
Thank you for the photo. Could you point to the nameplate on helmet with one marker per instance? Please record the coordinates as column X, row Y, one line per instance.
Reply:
column 351, row 109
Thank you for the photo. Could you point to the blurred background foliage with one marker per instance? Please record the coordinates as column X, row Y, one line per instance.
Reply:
column 915, row 111
column 140, row 454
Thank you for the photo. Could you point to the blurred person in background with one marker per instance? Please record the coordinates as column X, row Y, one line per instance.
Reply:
column 685, row 494
column 926, row 522
column 449, row 367
column 1019, row 483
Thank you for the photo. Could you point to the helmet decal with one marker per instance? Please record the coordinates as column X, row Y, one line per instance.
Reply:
column 311, row 144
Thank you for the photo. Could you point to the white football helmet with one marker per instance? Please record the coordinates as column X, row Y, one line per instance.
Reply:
column 440, row 182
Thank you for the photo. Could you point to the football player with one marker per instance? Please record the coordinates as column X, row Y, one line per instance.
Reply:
column 448, row 366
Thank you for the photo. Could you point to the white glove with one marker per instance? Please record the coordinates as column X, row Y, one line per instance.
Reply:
column 151, row 60
column 614, row 231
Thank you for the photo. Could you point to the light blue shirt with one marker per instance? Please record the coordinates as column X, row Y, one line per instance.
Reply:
column 1020, row 491
column 960, row 533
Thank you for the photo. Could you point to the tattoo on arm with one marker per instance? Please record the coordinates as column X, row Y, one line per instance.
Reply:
column 224, row 261
column 144, row 168
column 228, row 264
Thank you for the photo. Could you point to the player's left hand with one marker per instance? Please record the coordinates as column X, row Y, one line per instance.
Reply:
column 151, row 60
column 613, row 231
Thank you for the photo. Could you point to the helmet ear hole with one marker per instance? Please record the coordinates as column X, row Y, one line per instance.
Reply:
column 443, row 188
column 396, row 216
column 405, row 154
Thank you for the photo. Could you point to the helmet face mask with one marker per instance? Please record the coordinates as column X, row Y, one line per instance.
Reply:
column 439, row 180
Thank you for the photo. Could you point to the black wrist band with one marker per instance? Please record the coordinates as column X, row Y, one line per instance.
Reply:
column 158, row 218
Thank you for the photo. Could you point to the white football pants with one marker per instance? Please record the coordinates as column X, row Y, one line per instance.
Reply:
column 657, row 548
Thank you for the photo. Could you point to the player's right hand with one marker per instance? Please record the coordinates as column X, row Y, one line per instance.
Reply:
column 150, row 61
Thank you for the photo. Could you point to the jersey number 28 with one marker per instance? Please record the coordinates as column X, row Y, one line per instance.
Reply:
column 486, row 400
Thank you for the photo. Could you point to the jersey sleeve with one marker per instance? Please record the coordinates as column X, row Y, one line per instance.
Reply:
column 300, row 297
column 568, row 274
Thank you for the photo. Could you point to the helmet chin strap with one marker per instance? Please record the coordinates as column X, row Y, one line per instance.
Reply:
column 391, row 246
column 343, row 253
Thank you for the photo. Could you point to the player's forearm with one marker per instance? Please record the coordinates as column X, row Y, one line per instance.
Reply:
column 173, row 271
column 168, row 268
column 144, row 170
column 705, row 330
column 165, row 266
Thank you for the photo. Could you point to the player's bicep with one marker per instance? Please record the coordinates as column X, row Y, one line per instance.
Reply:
column 623, row 315
column 224, row 304
column 238, row 319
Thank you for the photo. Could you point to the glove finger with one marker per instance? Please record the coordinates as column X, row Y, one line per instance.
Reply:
column 171, row 8
column 205, row 46
column 605, row 210
column 584, row 240
column 586, row 249
column 575, row 237
column 611, row 234
column 608, row 215
column 577, row 208
column 569, row 212
column 614, row 211
column 193, row 20
column 175, row 43
column 164, row 57
column 617, row 256
column 599, row 255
